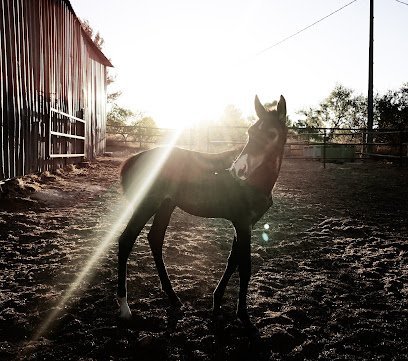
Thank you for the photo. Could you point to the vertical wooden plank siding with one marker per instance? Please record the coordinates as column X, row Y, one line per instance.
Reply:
column 48, row 61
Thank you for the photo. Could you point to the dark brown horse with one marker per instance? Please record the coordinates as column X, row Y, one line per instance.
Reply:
column 206, row 185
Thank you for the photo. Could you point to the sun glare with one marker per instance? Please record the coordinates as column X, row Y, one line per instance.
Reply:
column 121, row 216
column 190, row 89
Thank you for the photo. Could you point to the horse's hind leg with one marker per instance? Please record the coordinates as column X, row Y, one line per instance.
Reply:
column 126, row 242
column 156, row 238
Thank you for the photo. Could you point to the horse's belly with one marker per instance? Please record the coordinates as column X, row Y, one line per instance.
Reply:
column 211, row 199
column 204, row 207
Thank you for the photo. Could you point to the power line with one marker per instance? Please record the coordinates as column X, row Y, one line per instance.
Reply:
column 307, row 27
column 401, row 2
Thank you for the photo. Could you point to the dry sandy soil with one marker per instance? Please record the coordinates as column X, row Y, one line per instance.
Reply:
column 329, row 280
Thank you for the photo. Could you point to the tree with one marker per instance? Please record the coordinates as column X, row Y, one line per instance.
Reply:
column 391, row 111
column 144, row 129
column 358, row 112
column 392, row 108
column 99, row 41
column 96, row 37
column 144, row 121
column 119, row 116
column 232, row 116
column 231, row 127
column 272, row 105
column 341, row 109
column 113, row 96
column 335, row 109
column 312, row 118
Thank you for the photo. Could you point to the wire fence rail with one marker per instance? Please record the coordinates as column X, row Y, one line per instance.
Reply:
column 322, row 144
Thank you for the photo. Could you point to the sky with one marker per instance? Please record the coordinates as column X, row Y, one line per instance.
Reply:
column 183, row 61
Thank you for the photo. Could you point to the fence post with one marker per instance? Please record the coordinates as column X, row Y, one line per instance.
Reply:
column 324, row 148
column 401, row 147
column 208, row 139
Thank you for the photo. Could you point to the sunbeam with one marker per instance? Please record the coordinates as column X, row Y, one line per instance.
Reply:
column 123, row 212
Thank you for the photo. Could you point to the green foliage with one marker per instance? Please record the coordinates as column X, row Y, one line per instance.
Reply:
column 272, row 105
column 119, row 116
column 231, row 127
column 336, row 107
column 392, row 108
column 144, row 129
column 112, row 97
column 144, row 121
column 99, row 41
column 343, row 109
column 95, row 36
column 312, row 119
column 232, row 116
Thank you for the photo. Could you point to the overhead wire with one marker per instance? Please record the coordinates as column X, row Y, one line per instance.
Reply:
column 307, row 27
column 401, row 2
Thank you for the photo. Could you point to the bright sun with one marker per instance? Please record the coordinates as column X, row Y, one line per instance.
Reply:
column 186, row 101
column 193, row 84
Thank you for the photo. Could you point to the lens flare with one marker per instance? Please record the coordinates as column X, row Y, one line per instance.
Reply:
column 123, row 212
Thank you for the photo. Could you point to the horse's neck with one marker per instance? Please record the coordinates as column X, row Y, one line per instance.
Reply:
column 259, row 172
column 211, row 162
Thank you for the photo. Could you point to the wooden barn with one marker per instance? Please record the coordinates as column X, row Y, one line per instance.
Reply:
column 52, row 88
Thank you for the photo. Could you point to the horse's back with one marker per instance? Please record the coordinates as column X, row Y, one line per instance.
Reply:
column 213, row 161
column 175, row 163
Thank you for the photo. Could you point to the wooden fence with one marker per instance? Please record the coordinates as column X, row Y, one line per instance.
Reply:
column 52, row 88
column 324, row 144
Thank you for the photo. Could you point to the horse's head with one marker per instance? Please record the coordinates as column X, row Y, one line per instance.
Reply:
column 261, row 158
column 268, row 135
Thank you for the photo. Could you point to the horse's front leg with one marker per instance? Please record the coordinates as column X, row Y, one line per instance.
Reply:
column 240, row 256
column 232, row 264
column 244, row 268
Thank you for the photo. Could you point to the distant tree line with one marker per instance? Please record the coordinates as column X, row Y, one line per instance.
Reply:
column 344, row 109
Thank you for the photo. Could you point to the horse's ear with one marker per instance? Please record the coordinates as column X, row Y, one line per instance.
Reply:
column 259, row 108
column 282, row 109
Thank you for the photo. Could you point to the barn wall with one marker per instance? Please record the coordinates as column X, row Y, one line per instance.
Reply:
column 48, row 62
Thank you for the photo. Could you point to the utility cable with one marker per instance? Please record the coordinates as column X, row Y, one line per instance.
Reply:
column 401, row 2
column 307, row 27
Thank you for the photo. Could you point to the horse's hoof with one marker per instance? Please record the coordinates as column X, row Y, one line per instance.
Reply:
column 218, row 317
column 125, row 315
column 175, row 302
column 217, row 312
column 124, row 310
column 243, row 317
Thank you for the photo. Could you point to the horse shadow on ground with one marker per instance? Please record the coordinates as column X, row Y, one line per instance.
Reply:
column 190, row 334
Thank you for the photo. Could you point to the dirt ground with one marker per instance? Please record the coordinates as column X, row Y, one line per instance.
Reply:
column 329, row 279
